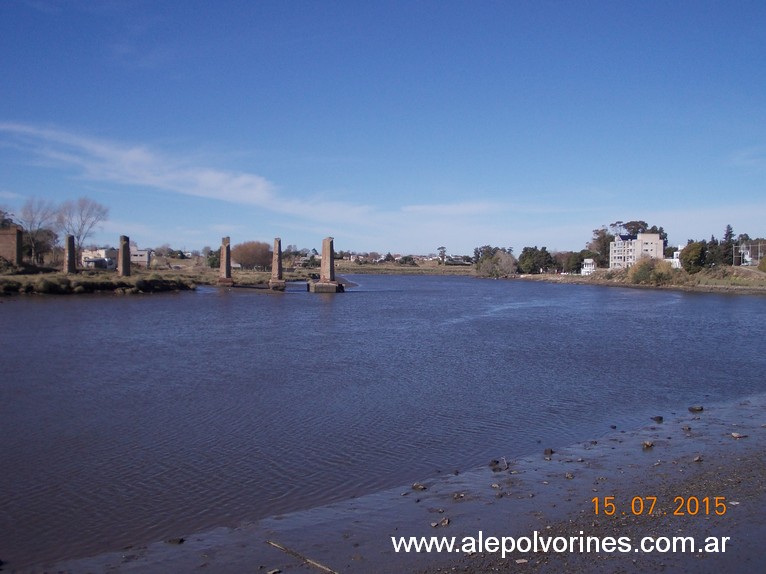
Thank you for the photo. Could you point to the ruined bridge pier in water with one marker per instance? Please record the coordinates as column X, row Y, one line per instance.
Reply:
column 325, row 284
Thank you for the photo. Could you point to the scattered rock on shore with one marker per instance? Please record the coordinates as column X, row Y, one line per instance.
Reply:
column 174, row 541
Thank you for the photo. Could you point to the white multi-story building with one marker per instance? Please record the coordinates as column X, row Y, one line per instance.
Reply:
column 625, row 250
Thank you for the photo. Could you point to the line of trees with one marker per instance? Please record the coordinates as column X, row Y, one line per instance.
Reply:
column 698, row 255
column 44, row 221
column 499, row 261
column 494, row 261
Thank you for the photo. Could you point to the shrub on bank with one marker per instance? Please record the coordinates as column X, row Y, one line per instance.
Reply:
column 649, row 271
column 9, row 286
column 61, row 284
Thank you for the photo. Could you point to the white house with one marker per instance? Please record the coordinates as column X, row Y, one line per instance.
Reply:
column 675, row 261
column 588, row 266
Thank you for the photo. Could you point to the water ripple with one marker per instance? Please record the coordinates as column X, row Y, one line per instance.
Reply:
column 167, row 415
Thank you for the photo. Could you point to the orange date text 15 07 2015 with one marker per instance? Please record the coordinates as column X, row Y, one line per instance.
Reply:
column 681, row 506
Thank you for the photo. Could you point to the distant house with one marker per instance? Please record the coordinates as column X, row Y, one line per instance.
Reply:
column 140, row 257
column 588, row 266
column 625, row 250
column 675, row 261
column 102, row 258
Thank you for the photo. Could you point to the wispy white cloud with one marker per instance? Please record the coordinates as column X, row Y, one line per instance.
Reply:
column 460, row 225
column 9, row 195
column 105, row 161
column 136, row 55
column 44, row 6
column 130, row 228
column 751, row 157
column 461, row 208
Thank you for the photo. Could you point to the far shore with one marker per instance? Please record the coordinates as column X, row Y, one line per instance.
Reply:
column 735, row 280
column 187, row 275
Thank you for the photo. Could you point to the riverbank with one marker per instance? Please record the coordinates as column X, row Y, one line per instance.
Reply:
column 92, row 282
column 713, row 453
column 139, row 282
column 733, row 280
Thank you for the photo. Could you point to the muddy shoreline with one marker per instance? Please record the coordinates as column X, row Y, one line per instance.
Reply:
column 692, row 454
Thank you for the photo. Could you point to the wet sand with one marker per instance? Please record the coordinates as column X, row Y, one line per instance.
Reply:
column 692, row 454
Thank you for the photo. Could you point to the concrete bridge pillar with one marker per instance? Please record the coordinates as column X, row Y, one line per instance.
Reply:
column 123, row 257
column 225, row 274
column 277, row 282
column 327, row 271
column 327, row 282
column 70, row 255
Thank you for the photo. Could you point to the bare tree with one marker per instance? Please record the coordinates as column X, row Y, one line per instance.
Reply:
column 37, row 216
column 79, row 218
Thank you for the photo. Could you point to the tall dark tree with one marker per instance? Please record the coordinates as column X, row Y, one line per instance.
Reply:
column 727, row 246
column 484, row 252
column 38, row 246
column 569, row 261
column 693, row 256
column 713, row 256
column 494, row 261
column 599, row 245
column 661, row 232
column 213, row 258
column 636, row 227
column 533, row 260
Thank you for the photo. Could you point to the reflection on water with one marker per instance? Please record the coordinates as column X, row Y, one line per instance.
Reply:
column 128, row 420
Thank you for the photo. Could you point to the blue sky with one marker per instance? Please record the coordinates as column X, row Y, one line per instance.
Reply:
column 392, row 126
